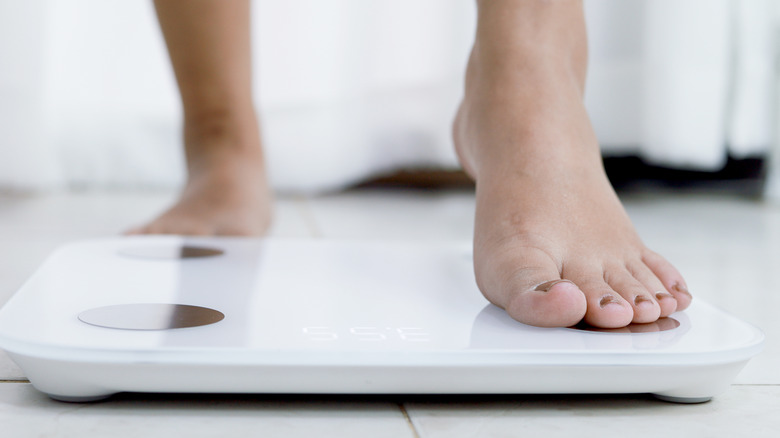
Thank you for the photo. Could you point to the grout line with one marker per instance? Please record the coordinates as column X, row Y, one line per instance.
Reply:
column 409, row 420
column 14, row 381
column 308, row 216
column 755, row 384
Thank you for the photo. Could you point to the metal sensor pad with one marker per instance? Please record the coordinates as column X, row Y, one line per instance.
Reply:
column 170, row 252
column 661, row 325
column 150, row 316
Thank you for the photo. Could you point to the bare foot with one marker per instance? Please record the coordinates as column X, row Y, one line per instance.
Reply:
column 226, row 193
column 552, row 243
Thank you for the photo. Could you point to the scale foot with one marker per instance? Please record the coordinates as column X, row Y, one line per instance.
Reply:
column 79, row 399
column 685, row 400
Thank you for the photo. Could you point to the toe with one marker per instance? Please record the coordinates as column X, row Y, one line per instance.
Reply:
column 527, row 283
column 671, row 279
column 654, row 286
column 554, row 303
column 646, row 308
column 666, row 301
column 606, row 308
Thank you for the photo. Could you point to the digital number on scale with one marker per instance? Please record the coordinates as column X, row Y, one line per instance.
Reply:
column 366, row 334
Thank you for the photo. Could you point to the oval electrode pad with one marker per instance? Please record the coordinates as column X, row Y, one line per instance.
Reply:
column 167, row 252
column 150, row 316
column 661, row 325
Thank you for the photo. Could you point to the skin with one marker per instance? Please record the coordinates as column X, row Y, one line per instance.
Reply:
column 552, row 242
column 227, row 191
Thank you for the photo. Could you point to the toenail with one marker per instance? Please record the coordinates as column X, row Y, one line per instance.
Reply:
column 544, row 287
column 639, row 299
column 662, row 295
column 608, row 299
column 681, row 288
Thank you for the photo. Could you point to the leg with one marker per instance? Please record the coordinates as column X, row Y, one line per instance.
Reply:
column 226, row 191
column 552, row 243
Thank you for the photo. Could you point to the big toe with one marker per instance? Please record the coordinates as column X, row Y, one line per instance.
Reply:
column 528, row 285
column 555, row 303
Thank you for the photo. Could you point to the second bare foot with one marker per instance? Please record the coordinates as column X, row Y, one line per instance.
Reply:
column 226, row 194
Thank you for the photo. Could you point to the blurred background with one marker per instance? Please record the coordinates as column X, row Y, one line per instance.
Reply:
column 351, row 89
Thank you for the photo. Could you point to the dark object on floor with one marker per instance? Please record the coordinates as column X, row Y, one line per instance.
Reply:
column 743, row 177
column 421, row 179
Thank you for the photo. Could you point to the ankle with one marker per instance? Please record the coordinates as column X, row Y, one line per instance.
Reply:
column 213, row 138
column 525, row 76
column 220, row 123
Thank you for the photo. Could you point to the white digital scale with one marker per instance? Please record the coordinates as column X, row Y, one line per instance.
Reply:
column 232, row 315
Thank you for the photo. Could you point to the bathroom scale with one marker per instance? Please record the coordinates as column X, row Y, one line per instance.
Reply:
column 171, row 314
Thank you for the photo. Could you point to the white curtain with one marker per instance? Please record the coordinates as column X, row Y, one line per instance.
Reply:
column 351, row 88
column 683, row 82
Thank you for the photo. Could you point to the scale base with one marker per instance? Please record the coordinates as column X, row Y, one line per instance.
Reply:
column 84, row 382
column 95, row 399
column 265, row 316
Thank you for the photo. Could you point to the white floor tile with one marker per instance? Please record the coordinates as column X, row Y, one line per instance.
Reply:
column 9, row 370
column 97, row 214
column 79, row 214
column 741, row 411
column 24, row 412
column 402, row 215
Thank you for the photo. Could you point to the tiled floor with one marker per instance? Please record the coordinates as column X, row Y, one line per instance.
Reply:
column 728, row 248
